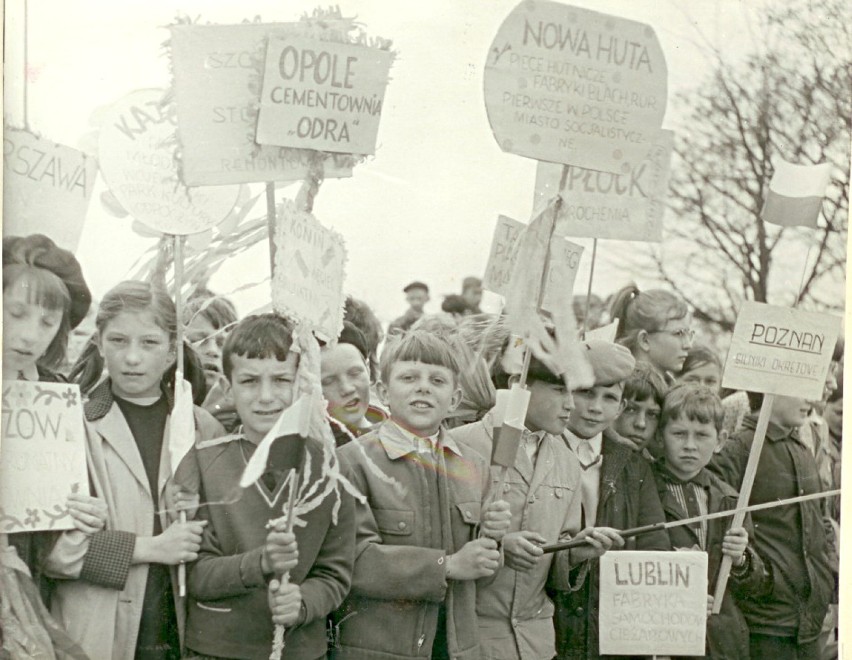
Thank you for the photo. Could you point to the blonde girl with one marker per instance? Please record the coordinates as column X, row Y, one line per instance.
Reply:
column 121, row 600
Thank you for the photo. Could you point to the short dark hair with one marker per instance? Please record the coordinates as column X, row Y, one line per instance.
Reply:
column 697, row 403
column 643, row 384
column 415, row 285
column 698, row 356
column 538, row 370
column 352, row 335
column 418, row 346
column 258, row 337
column 219, row 312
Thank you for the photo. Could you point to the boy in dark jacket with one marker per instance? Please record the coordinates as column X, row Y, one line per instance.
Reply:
column 784, row 623
column 691, row 432
column 233, row 586
column 617, row 486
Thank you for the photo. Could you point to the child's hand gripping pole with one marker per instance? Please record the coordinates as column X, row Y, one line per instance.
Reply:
column 278, row 637
column 510, row 412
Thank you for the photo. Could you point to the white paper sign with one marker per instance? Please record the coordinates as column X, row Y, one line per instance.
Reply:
column 217, row 89
column 136, row 154
column 604, row 333
column 322, row 95
column 653, row 603
column 562, row 268
column 574, row 86
column 44, row 455
column 779, row 350
column 624, row 207
column 46, row 188
column 309, row 271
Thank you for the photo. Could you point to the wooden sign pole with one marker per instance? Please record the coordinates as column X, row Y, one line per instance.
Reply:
column 178, row 240
column 745, row 493
column 589, row 290
column 270, row 223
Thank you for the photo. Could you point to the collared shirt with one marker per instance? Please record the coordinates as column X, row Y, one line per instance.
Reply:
column 403, row 441
column 590, row 474
column 692, row 497
column 532, row 443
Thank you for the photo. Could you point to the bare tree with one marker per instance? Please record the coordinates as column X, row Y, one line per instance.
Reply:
column 791, row 101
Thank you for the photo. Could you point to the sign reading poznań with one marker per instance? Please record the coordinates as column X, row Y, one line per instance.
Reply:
column 780, row 350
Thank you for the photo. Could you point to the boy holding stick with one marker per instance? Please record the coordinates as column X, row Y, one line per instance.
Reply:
column 234, row 587
column 691, row 432
column 542, row 487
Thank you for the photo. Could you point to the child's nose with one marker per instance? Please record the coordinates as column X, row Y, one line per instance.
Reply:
column 640, row 421
column 346, row 385
column 265, row 390
column 133, row 354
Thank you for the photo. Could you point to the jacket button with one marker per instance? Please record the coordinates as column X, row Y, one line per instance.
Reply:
column 531, row 499
column 801, row 491
column 515, row 623
column 506, row 488
column 401, row 525
column 579, row 611
column 467, row 515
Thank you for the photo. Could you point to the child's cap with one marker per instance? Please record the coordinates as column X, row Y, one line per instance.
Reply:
column 416, row 285
column 611, row 363
column 38, row 250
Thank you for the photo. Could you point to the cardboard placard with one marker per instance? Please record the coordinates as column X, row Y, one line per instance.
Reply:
column 562, row 270
column 44, row 455
column 653, row 603
column 604, row 333
column 46, row 188
column 780, row 350
column 136, row 156
column 574, row 86
column 217, row 90
column 322, row 95
column 310, row 260
column 625, row 207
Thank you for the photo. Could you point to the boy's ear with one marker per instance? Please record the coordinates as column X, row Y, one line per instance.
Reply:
column 720, row 441
column 456, row 399
column 382, row 391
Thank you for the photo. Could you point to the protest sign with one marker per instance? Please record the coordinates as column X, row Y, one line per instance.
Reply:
column 653, row 603
column 136, row 156
column 625, row 207
column 779, row 350
column 574, row 86
column 44, row 455
column 604, row 333
column 217, row 89
column 307, row 282
column 562, row 266
column 322, row 95
column 46, row 188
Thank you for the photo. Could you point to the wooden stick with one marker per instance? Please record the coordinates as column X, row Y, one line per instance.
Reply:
column 745, row 493
column 179, row 368
column 589, row 290
column 636, row 531
column 270, row 222
column 26, row 72
column 278, row 635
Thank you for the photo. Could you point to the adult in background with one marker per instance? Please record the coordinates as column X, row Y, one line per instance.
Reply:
column 416, row 295
column 472, row 294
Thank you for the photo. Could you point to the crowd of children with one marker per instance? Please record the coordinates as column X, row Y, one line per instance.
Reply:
column 433, row 552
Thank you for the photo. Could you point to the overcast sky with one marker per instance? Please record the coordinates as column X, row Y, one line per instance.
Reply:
column 425, row 206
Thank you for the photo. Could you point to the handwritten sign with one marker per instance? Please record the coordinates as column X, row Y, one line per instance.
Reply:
column 653, row 603
column 779, row 350
column 322, row 95
column 307, row 285
column 625, row 207
column 217, row 90
column 44, row 455
column 575, row 86
column 562, row 268
column 46, row 188
column 136, row 155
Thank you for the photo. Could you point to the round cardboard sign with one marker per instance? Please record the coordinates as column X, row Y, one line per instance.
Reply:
column 136, row 158
column 575, row 86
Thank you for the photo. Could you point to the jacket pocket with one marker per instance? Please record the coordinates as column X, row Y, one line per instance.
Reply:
column 213, row 608
column 394, row 522
column 470, row 512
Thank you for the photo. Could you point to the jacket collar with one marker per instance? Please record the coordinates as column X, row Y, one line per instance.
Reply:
column 774, row 432
column 101, row 399
column 614, row 458
column 397, row 442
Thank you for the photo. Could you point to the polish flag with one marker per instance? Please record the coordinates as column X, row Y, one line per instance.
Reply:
column 795, row 194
